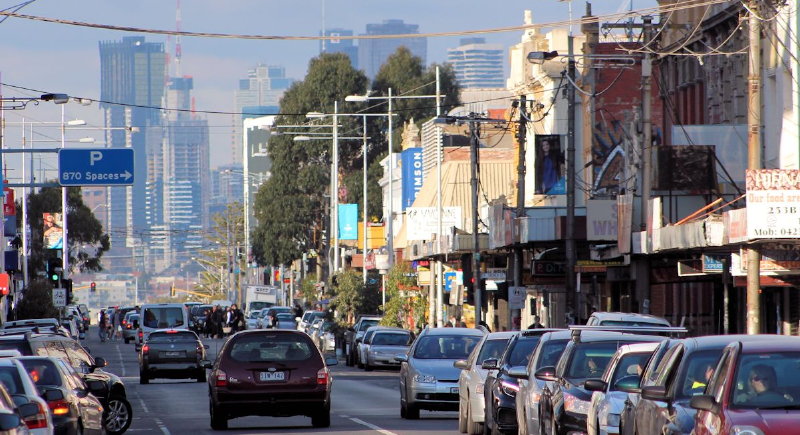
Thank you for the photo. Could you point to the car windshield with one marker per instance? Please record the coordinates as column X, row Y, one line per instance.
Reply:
column 445, row 346
column 550, row 353
column 270, row 348
column 391, row 339
column 163, row 317
column 522, row 351
column 254, row 315
column 259, row 305
column 630, row 366
column 310, row 316
column 589, row 360
column 366, row 324
column 630, row 323
column 491, row 349
column 42, row 371
column 9, row 376
column 285, row 317
column 696, row 372
column 169, row 337
column 767, row 381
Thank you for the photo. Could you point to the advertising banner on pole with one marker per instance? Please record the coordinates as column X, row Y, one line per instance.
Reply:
column 773, row 203
column 348, row 221
column 53, row 231
column 411, row 161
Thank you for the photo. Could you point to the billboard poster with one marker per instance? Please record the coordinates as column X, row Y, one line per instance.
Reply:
column 53, row 231
column 773, row 203
column 348, row 221
column 549, row 166
column 411, row 161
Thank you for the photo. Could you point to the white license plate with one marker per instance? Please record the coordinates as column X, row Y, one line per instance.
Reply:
column 173, row 354
column 271, row 376
column 453, row 390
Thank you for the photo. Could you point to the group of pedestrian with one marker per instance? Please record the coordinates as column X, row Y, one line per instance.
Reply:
column 218, row 318
column 109, row 323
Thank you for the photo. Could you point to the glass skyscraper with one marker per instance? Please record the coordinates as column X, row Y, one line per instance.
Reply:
column 478, row 64
column 372, row 53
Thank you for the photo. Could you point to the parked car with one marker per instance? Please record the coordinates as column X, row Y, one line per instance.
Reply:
column 384, row 345
column 160, row 316
column 428, row 379
column 71, row 326
column 610, row 392
column 174, row 354
column 322, row 335
column 20, row 387
column 472, row 378
column 363, row 344
column 548, row 351
column 285, row 321
column 754, row 389
column 85, row 316
column 47, row 324
column 354, row 335
column 308, row 319
column 683, row 372
column 107, row 387
column 131, row 326
column 314, row 330
column 12, row 415
column 281, row 367
column 605, row 318
column 73, row 311
column 75, row 410
column 565, row 401
column 500, row 390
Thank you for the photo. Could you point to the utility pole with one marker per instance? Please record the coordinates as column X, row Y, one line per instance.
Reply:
column 571, row 299
column 754, row 162
column 521, row 140
column 476, row 250
column 643, row 278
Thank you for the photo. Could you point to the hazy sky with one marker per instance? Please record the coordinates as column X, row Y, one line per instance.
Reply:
column 62, row 58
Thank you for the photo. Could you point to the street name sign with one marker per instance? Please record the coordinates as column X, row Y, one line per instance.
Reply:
column 95, row 167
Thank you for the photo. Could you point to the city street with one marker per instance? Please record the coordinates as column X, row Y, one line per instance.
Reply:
column 361, row 402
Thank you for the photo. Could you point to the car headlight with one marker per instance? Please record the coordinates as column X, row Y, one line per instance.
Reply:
column 575, row 405
column 479, row 389
column 746, row 430
column 424, row 379
column 612, row 420
column 509, row 388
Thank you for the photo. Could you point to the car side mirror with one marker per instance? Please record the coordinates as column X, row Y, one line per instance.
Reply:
column 595, row 385
column 655, row 392
column 518, row 372
column 546, row 374
column 52, row 394
column 28, row 410
column 100, row 362
column 489, row 364
column 401, row 357
column 704, row 402
column 461, row 364
column 331, row 361
column 206, row 364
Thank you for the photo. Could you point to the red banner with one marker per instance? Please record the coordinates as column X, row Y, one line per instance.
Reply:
column 4, row 284
column 9, row 209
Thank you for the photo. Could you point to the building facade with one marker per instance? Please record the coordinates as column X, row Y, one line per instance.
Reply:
column 372, row 53
column 478, row 64
column 335, row 45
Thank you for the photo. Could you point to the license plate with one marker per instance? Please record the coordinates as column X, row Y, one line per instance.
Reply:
column 173, row 354
column 453, row 390
column 271, row 376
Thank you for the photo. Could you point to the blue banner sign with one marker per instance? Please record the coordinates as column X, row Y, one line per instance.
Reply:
column 411, row 161
column 348, row 221
column 95, row 167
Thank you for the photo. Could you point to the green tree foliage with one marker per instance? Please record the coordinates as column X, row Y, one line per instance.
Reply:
column 87, row 241
column 308, row 289
column 37, row 302
column 226, row 234
column 404, row 306
column 350, row 297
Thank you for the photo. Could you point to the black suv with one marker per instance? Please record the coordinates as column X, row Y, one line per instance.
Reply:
column 107, row 387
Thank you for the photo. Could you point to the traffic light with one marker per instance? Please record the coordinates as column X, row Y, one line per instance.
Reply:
column 54, row 270
column 67, row 285
column 469, row 280
column 93, row 287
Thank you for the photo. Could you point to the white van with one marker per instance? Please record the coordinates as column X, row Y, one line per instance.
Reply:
column 160, row 316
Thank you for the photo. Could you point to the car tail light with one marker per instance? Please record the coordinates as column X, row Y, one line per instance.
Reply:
column 323, row 378
column 145, row 349
column 59, row 407
column 141, row 335
column 37, row 421
column 221, row 379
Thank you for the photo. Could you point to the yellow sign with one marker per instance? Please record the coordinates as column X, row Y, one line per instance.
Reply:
column 376, row 236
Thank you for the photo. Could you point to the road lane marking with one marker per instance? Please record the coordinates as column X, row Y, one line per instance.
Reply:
column 161, row 426
column 371, row 426
column 121, row 362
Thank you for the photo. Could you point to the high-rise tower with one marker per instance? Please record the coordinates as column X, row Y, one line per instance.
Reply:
column 372, row 53
column 478, row 64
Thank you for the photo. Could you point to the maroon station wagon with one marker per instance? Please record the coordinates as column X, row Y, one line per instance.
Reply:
column 276, row 373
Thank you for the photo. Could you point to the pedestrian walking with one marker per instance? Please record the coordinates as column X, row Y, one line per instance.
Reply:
column 102, row 325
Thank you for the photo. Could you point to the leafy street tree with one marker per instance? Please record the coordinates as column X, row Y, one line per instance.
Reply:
column 349, row 296
column 38, row 301
column 226, row 234
column 87, row 241
column 406, row 306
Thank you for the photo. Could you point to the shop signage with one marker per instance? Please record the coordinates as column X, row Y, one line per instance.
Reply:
column 494, row 274
column 552, row 268
column 773, row 203
column 411, row 160
column 601, row 219
column 712, row 263
column 423, row 222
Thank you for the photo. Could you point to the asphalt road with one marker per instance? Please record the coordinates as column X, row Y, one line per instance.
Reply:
column 361, row 402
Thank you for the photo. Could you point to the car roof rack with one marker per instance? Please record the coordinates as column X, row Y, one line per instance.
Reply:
column 643, row 330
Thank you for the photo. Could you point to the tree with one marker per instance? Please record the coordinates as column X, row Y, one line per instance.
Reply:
column 87, row 241
column 226, row 238
column 349, row 297
column 37, row 302
column 406, row 305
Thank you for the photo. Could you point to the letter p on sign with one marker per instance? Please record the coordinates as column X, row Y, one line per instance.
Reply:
column 95, row 156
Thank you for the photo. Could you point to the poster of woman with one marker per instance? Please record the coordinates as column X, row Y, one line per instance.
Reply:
column 549, row 165
column 53, row 232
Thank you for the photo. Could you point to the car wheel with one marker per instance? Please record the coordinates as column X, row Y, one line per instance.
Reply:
column 473, row 428
column 218, row 420
column 462, row 416
column 412, row 412
column 201, row 377
column 118, row 415
column 322, row 419
column 143, row 378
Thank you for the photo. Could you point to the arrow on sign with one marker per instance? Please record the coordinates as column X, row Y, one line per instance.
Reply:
column 126, row 175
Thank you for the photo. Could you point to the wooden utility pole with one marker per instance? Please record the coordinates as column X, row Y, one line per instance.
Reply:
column 754, row 162
column 522, row 134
